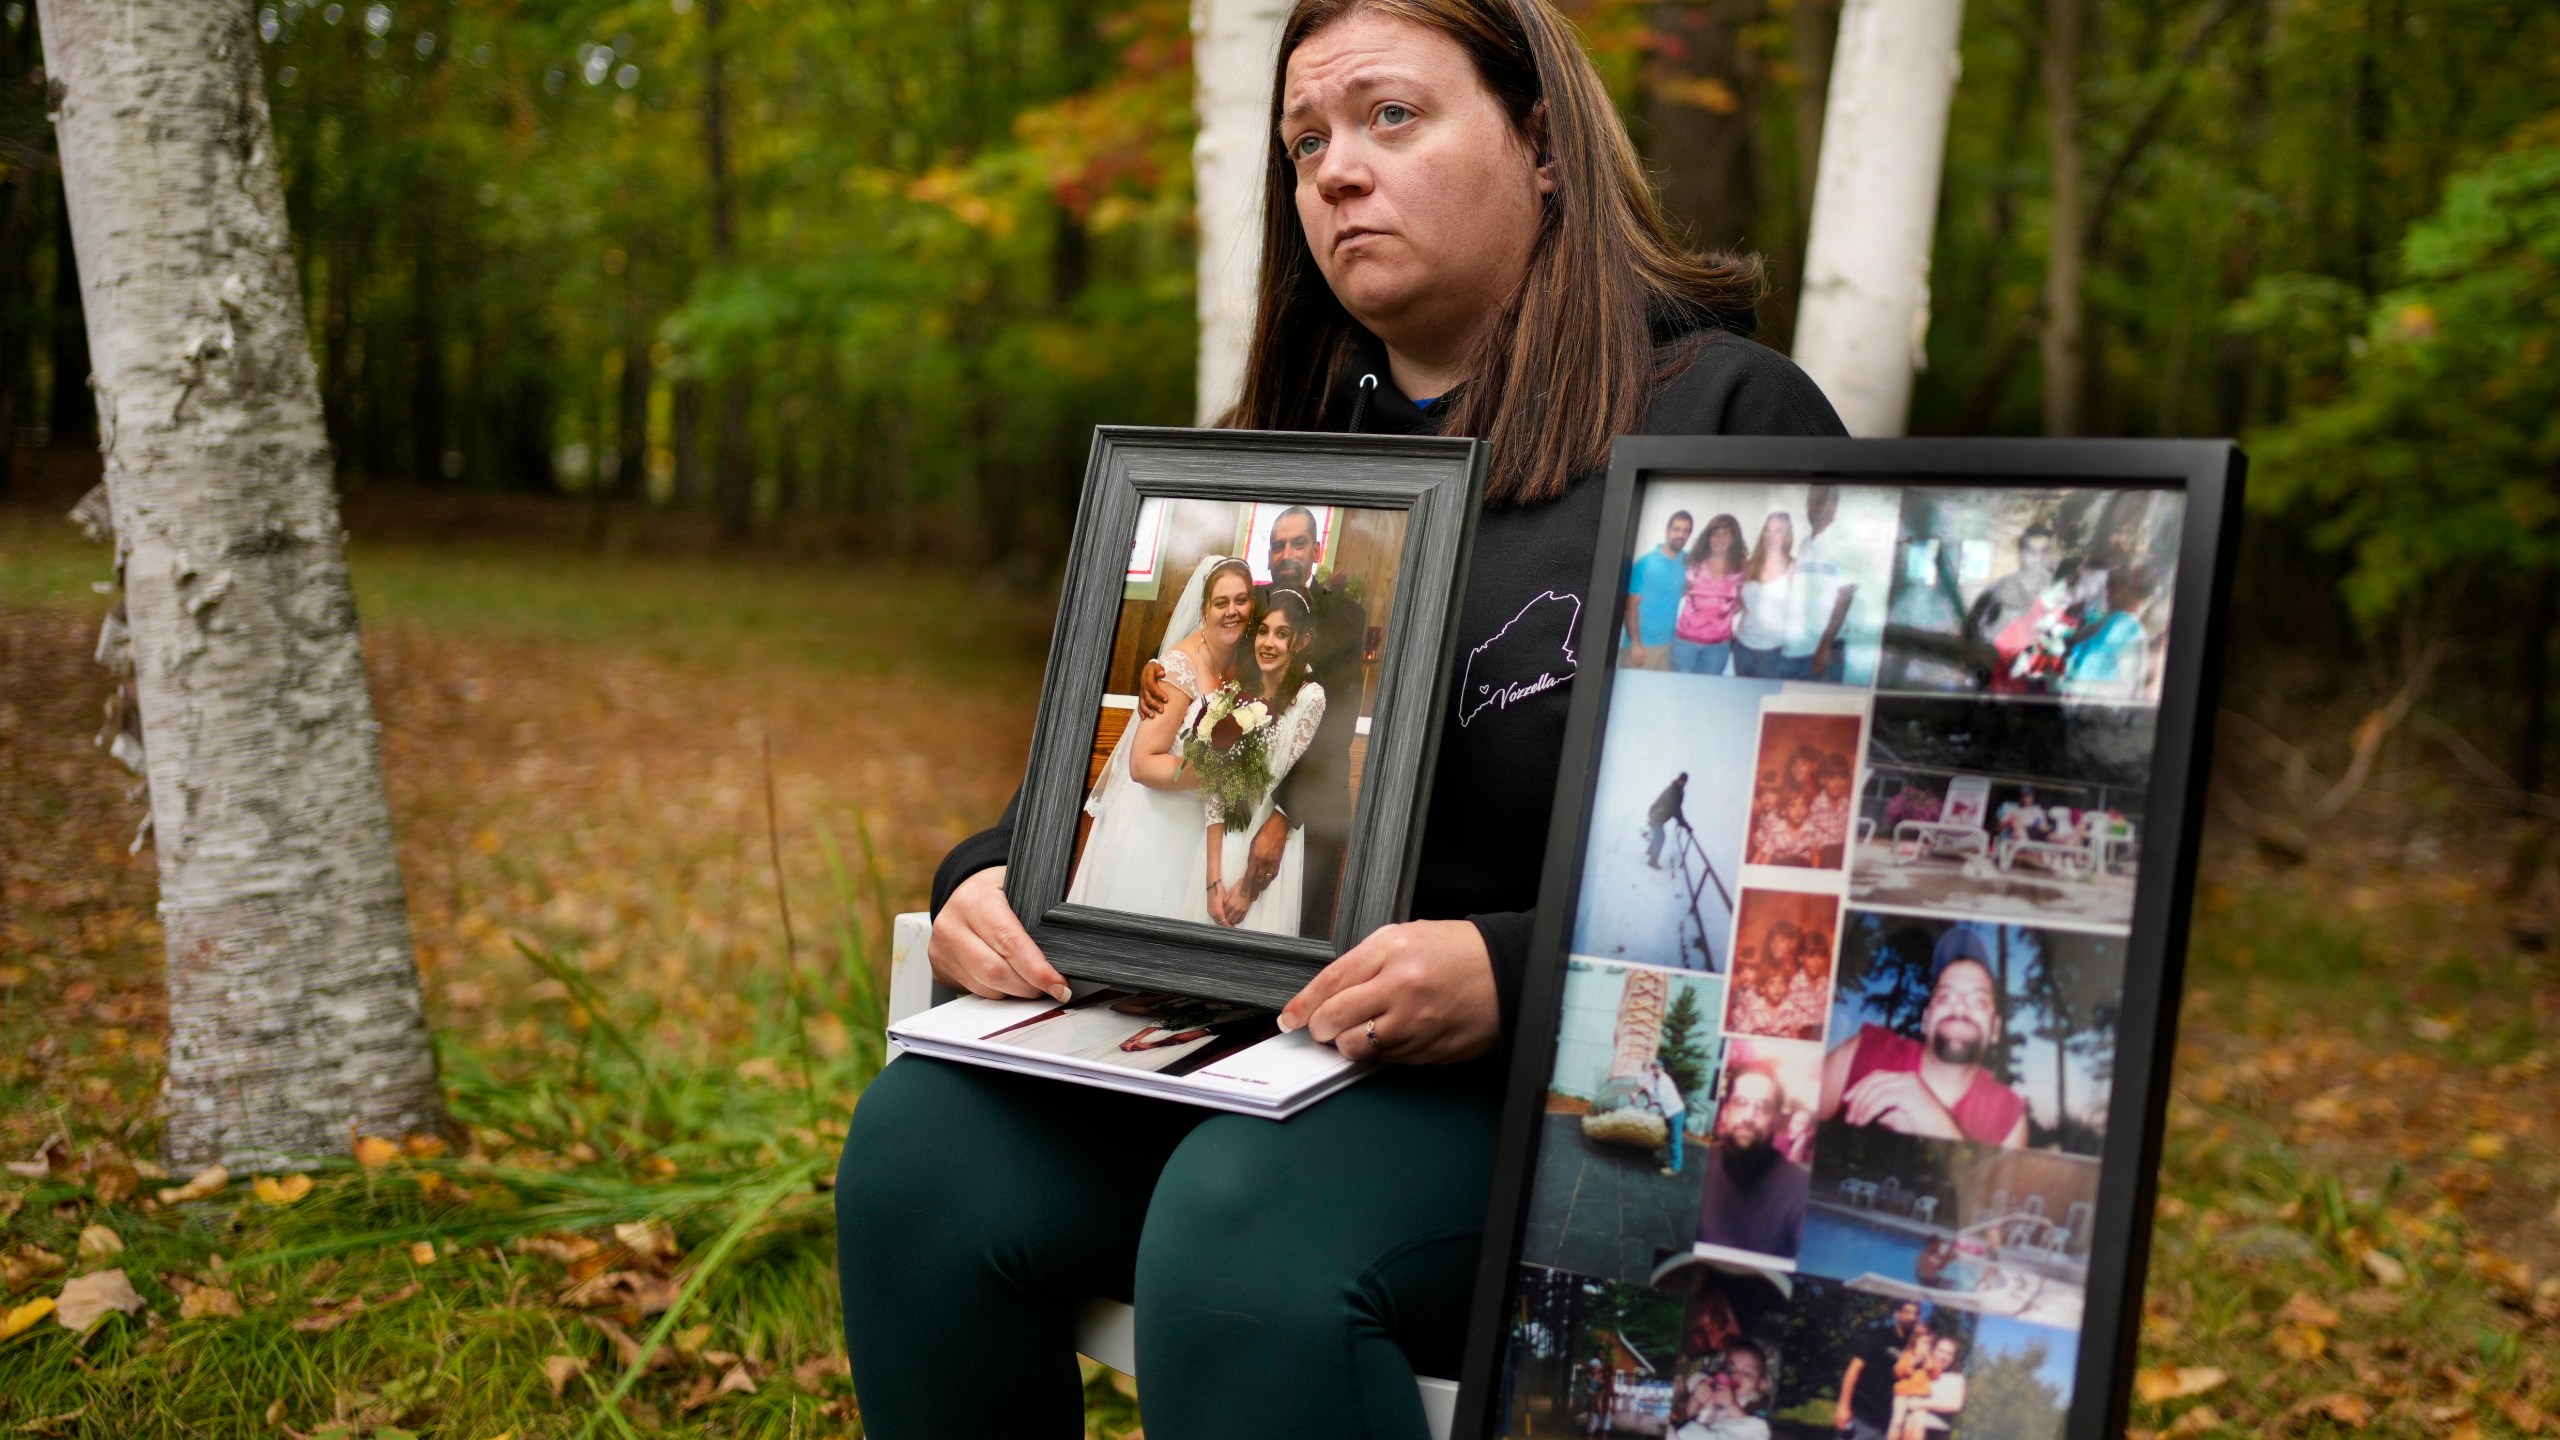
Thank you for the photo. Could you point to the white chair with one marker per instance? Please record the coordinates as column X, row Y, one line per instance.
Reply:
column 1106, row 1330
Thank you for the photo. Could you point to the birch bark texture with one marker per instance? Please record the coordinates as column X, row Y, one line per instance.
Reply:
column 294, row 1009
column 1864, row 322
column 1234, row 46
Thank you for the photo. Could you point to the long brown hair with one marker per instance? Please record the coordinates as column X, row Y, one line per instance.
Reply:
column 1571, row 360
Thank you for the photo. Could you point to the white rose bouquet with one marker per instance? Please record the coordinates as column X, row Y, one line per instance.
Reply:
column 1229, row 747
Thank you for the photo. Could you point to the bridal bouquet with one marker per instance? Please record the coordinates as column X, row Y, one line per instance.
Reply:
column 1229, row 747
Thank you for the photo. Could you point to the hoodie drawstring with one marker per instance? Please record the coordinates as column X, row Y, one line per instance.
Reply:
column 1360, row 402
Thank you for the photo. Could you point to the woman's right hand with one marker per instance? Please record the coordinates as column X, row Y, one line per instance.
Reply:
column 979, row 946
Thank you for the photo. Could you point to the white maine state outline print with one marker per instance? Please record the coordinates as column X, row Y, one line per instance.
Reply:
column 1474, row 698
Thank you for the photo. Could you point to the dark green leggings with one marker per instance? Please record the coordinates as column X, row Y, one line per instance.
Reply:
column 1291, row 1278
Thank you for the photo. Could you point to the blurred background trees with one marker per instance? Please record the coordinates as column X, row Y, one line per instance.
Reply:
column 862, row 275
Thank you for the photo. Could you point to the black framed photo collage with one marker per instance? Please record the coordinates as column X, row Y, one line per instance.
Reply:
column 1834, row 1114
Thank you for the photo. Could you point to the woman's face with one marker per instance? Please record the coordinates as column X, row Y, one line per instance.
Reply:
column 1419, row 199
column 1720, row 543
column 1273, row 642
column 1223, row 614
column 1779, row 531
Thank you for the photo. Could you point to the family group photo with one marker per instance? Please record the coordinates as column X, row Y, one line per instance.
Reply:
column 1761, row 580
column 1873, row 1366
column 1227, row 754
column 1692, row 1351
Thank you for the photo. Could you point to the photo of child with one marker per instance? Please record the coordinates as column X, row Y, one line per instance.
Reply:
column 1803, row 799
column 1782, row 949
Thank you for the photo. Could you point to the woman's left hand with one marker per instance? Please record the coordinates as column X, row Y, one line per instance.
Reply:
column 1423, row 988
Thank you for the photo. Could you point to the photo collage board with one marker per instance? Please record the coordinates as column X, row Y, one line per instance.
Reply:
column 1821, row 1141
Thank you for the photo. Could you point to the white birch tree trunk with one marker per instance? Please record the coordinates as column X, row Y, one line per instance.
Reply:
column 294, row 1011
column 1234, row 44
column 1864, row 319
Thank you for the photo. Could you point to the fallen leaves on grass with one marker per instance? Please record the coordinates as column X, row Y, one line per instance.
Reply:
column 206, row 1300
column 648, row 1240
column 27, row 1262
column 86, row 1299
column 2386, row 1268
column 280, row 1190
column 328, row 1315
column 2299, row 1342
column 2344, row 1406
column 2302, row 1309
column 373, row 1150
column 51, row 1156
column 113, row 1181
column 636, row 1291
column 18, row 1321
column 422, row 1252
column 2194, row 1422
column 813, row 1375
column 211, row 1180
column 97, row 1242
column 559, row 1370
column 2175, row 1382
column 626, row 1350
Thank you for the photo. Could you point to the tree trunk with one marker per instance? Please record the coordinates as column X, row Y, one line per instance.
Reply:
column 1865, row 313
column 631, row 411
column 1234, row 45
column 2533, row 677
column 294, row 1013
column 2067, row 239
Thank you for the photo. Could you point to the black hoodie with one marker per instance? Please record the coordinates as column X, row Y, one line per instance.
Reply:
column 1503, row 741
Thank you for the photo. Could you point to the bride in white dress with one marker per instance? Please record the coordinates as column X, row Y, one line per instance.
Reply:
column 1143, row 855
column 1282, row 631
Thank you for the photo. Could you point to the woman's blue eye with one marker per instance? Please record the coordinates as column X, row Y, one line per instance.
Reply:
column 1394, row 114
column 1307, row 145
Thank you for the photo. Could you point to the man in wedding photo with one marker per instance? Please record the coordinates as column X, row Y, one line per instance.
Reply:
column 1937, row 1086
column 1754, row 1197
column 1315, row 796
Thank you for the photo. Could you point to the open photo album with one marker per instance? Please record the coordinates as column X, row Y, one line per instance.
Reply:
column 1215, row 1053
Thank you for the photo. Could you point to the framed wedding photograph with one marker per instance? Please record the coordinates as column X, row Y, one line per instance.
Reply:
column 1836, row 1094
column 1236, row 730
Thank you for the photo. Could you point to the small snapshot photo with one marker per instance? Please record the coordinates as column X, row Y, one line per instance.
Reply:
column 1690, row 1353
column 1994, row 1033
column 1767, row 580
column 1226, row 758
column 1804, row 790
column 1166, row 1034
column 1993, row 808
column 1760, row 1155
column 1783, row 942
column 1912, row 1369
column 1974, row 1227
column 1669, row 810
column 2056, row 593
column 1629, row 1105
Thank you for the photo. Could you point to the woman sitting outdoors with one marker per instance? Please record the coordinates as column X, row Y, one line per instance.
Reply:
column 1458, row 239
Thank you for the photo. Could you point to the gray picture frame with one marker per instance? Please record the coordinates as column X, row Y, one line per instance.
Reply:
column 1438, row 482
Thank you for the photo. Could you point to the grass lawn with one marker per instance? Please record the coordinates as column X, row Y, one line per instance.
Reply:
column 2358, row 1230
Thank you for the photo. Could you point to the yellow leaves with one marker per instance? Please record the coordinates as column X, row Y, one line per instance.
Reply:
column 18, row 1321
column 487, row 842
column 87, row 1299
column 2163, row 1383
column 2299, row 1342
column 422, row 1147
column 2416, row 321
column 373, row 1151
column 211, row 1180
column 422, row 1252
column 2304, row 1310
column 2485, row 1145
column 27, row 1262
column 97, row 1242
column 649, row 1240
column 559, row 1370
column 280, row 1190
column 208, row 1300
column 2386, row 1268
column 658, row 1167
